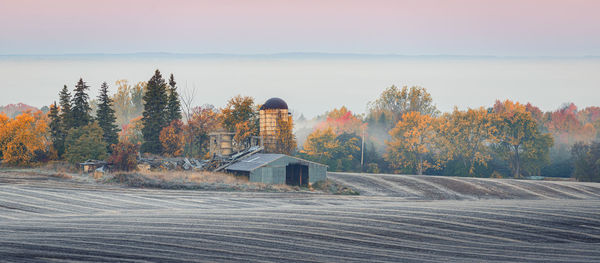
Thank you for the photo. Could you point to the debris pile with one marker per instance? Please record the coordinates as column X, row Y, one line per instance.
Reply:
column 215, row 164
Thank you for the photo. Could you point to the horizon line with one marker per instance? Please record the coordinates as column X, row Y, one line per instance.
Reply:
column 293, row 54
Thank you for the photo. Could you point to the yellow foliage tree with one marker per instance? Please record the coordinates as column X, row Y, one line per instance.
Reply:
column 518, row 135
column 411, row 140
column 22, row 137
column 321, row 145
column 286, row 141
column 243, row 132
column 465, row 135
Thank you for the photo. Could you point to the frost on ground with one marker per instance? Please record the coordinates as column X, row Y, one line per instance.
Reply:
column 401, row 219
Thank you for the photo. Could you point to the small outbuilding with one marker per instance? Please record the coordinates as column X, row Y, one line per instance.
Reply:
column 270, row 168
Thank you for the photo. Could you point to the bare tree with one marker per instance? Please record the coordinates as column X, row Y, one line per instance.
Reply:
column 187, row 98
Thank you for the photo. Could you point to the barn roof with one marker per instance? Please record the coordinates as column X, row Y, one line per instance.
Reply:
column 258, row 160
column 254, row 161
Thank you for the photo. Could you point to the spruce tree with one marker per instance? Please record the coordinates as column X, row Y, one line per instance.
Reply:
column 56, row 132
column 65, row 110
column 80, row 111
column 106, row 117
column 155, row 113
column 174, row 106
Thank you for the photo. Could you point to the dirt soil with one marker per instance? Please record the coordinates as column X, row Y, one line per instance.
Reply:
column 45, row 217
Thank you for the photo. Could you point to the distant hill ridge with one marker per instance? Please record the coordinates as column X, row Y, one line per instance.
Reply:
column 13, row 110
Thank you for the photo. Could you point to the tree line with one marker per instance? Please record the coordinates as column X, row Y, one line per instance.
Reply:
column 405, row 133
column 148, row 118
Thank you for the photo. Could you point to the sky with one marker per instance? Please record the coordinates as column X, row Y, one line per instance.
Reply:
column 419, row 27
column 542, row 51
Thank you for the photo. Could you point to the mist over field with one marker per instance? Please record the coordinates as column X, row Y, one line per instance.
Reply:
column 314, row 83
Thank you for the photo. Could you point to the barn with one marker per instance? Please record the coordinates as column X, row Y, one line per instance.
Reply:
column 270, row 168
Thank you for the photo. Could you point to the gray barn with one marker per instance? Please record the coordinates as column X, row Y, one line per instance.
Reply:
column 279, row 169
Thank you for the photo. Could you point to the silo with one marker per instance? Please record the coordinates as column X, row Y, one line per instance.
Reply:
column 268, row 114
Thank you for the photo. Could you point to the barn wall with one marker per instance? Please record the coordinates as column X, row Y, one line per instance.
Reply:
column 274, row 172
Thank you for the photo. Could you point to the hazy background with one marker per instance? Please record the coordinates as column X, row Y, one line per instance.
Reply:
column 313, row 84
column 465, row 52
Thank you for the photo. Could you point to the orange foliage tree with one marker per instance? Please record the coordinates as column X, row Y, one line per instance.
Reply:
column 411, row 140
column 201, row 123
column 171, row 138
column 23, row 137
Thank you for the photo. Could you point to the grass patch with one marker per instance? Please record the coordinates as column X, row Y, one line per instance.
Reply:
column 179, row 180
column 332, row 187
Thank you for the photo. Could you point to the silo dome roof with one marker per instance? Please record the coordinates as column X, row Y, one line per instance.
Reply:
column 274, row 103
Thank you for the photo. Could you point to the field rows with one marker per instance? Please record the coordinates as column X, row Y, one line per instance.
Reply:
column 41, row 220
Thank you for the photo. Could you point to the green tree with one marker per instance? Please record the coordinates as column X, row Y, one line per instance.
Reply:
column 587, row 161
column 65, row 110
column 84, row 143
column 155, row 113
column 106, row 117
column 56, row 132
column 174, row 106
column 81, row 108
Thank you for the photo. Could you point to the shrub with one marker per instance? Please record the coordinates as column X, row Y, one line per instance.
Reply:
column 85, row 143
column 124, row 156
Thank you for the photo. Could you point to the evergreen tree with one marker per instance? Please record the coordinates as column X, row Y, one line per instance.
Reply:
column 155, row 113
column 106, row 117
column 80, row 112
column 65, row 110
column 174, row 106
column 56, row 132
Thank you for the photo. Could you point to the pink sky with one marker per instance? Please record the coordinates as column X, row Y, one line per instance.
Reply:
column 459, row 27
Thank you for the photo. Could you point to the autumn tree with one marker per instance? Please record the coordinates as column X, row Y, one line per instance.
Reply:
column 517, row 134
column 173, row 106
column 105, row 117
column 84, row 143
column 394, row 102
column 285, row 139
column 171, row 139
column 341, row 121
column 124, row 156
column 155, row 113
column 202, row 121
column 80, row 112
column 240, row 110
column 132, row 132
column 321, row 145
column 243, row 133
column 4, row 132
column 464, row 136
column 411, row 140
column 23, row 137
